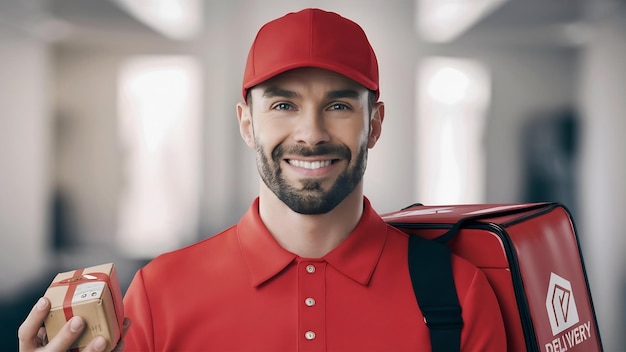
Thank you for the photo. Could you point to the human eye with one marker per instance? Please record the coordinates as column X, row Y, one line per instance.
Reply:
column 282, row 106
column 338, row 106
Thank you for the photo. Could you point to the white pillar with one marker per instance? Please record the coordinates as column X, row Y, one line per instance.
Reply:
column 603, row 173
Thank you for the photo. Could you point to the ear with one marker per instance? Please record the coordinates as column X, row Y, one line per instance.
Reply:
column 244, row 116
column 376, row 123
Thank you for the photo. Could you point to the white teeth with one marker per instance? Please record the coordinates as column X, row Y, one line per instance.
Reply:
column 312, row 165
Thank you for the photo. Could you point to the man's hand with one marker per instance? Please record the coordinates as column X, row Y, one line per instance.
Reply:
column 32, row 336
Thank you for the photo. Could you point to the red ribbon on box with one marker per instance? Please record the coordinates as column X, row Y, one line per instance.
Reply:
column 79, row 278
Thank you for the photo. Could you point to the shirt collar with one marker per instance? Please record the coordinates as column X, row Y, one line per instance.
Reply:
column 356, row 257
column 262, row 253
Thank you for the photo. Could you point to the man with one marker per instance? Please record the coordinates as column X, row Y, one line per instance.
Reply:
column 310, row 266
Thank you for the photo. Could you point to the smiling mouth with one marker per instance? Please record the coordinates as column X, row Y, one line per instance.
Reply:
column 311, row 165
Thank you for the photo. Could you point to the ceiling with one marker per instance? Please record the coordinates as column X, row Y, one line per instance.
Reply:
column 524, row 21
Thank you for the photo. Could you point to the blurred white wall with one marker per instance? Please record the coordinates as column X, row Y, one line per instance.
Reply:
column 87, row 158
column 602, row 95
column 526, row 81
column 25, row 124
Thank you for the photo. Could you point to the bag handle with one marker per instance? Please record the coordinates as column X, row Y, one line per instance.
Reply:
column 430, row 269
column 451, row 233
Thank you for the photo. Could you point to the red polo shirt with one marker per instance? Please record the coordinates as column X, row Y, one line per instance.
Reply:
column 241, row 291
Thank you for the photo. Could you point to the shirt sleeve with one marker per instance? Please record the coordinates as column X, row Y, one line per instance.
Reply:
column 137, row 307
column 483, row 328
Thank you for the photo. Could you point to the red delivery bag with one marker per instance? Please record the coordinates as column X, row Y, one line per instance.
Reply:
column 531, row 255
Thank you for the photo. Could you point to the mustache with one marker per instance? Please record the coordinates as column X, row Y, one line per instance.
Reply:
column 339, row 150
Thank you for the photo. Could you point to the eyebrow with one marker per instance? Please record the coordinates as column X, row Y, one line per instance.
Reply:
column 272, row 92
column 344, row 93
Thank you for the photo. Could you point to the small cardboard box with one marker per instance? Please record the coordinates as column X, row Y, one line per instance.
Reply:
column 93, row 294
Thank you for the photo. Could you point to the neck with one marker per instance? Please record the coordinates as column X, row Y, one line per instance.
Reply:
column 310, row 236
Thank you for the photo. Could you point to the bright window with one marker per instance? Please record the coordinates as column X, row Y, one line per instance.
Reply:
column 159, row 106
column 453, row 97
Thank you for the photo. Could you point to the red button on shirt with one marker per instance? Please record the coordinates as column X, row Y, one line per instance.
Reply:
column 241, row 291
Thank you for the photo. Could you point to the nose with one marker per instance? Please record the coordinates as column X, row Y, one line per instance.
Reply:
column 311, row 128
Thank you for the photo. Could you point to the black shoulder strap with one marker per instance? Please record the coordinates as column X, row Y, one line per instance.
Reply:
column 431, row 274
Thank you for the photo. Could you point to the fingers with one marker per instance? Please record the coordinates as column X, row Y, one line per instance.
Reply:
column 42, row 336
column 99, row 344
column 67, row 335
column 126, row 325
column 32, row 335
column 29, row 334
column 120, row 346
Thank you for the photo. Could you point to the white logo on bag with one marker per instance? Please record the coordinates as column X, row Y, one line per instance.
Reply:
column 563, row 315
column 560, row 304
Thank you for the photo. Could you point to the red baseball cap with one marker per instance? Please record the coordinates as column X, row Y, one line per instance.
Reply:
column 311, row 38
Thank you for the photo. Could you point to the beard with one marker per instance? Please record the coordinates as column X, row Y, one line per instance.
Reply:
column 309, row 196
